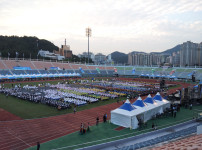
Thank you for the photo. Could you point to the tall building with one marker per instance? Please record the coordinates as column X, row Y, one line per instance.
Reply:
column 64, row 51
column 138, row 58
column 100, row 58
column 85, row 54
column 175, row 59
column 189, row 54
column 199, row 54
column 145, row 59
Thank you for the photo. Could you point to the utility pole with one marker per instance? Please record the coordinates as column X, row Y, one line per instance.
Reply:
column 88, row 34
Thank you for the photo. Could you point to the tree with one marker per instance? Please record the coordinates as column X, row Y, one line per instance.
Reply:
column 24, row 45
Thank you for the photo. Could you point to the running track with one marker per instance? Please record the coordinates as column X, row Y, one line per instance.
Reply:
column 21, row 134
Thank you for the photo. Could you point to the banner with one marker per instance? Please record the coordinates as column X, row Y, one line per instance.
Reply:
column 55, row 68
column 21, row 68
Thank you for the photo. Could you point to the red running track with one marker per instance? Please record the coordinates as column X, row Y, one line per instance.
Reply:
column 21, row 134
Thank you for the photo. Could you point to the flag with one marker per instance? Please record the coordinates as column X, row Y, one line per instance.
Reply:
column 8, row 54
column 98, row 70
column 153, row 71
column 133, row 71
column 115, row 70
column 171, row 73
column 82, row 71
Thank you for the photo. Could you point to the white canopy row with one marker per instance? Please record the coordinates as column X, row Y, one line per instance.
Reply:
column 128, row 114
column 18, row 76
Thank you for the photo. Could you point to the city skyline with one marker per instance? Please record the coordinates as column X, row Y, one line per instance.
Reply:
column 124, row 26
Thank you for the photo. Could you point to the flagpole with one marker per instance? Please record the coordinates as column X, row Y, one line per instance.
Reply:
column 124, row 69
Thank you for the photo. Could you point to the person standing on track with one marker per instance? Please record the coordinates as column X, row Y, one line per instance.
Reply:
column 97, row 120
column 38, row 145
column 105, row 118
column 74, row 109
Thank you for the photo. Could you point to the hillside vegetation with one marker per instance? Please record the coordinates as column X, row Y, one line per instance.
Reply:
column 12, row 44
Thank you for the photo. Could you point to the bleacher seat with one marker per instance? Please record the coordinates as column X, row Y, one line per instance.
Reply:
column 164, row 138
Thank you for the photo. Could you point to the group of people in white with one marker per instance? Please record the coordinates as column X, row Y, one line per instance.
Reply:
column 122, row 85
column 55, row 94
column 39, row 75
column 49, row 94
column 85, row 90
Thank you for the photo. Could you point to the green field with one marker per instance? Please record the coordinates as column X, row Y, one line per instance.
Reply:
column 105, row 132
column 29, row 110
column 98, row 134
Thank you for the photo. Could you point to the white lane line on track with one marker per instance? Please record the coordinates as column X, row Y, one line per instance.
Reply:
column 18, row 138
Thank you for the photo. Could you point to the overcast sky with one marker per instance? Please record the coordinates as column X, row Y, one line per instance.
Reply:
column 117, row 25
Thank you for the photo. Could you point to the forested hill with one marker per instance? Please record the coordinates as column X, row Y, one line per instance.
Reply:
column 26, row 45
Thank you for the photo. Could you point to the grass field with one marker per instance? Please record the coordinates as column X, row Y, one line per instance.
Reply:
column 98, row 134
column 29, row 110
column 105, row 132
column 9, row 85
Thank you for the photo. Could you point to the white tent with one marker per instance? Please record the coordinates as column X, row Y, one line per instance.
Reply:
column 163, row 102
column 152, row 108
column 123, row 116
column 128, row 115
column 141, row 108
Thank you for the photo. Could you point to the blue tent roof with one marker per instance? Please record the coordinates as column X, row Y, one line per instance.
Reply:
column 196, row 86
column 139, row 102
column 157, row 97
column 149, row 99
column 127, row 106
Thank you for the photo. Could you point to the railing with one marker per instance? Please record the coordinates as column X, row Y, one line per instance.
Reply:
column 114, row 65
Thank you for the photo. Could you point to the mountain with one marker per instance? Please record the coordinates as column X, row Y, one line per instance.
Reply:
column 174, row 49
column 27, row 45
column 119, row 57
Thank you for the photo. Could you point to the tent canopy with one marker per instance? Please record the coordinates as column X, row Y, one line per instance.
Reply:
column 127, row 106
column 139, row 102
column 158, row 97
column 128, row 114
column 149, row 99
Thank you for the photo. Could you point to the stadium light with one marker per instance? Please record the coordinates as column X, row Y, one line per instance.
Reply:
column 88, row 34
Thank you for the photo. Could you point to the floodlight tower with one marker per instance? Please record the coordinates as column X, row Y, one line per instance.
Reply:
column 88, row 34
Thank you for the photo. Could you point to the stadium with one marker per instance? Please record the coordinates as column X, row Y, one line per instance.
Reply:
column 65, row 105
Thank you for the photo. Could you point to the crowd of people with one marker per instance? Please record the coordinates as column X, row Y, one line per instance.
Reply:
column 82, row 90
column 35, row 97
column 84, row 128
column 60, row 95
